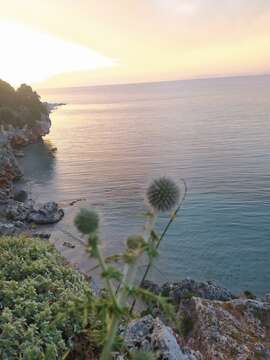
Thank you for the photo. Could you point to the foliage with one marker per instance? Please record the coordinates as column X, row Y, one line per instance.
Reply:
column 20, row 107
column 143, row 356
column 38, row 295
column 186, row 325
column 249, row 295
column 163, row 195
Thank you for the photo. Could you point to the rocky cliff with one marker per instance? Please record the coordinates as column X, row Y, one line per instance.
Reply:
column 12, row 138
column 26, row 135
column 16, row 212
column 9, row 170
column 210, row 324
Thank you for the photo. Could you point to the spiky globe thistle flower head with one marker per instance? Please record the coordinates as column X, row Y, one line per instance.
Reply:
column 87, row 221
column 163, row 194
column 135, row 242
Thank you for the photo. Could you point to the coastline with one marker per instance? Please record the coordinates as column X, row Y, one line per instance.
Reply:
column 18, row 212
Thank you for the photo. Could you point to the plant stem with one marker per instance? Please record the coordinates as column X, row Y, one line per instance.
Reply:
column 172, row 218
column 108, row 282
column 106, row 352
column 149, row 226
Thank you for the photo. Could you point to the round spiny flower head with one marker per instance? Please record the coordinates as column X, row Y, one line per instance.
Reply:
column 87, row 221
column 163, row 194
column 135, row 242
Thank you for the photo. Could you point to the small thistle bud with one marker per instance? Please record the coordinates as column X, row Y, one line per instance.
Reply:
column 163, row 194
column 87, row 221
column 135, row 242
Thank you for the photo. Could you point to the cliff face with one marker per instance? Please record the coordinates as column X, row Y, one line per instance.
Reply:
column 12, row 137
column 24, row 136
column 9, row 170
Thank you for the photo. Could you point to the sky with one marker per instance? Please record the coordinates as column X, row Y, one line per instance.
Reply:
column 57, row 43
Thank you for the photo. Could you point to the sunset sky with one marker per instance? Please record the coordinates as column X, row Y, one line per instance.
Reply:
column 57, row 43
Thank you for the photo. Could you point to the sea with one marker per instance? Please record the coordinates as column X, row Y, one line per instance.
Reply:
column 214, row 133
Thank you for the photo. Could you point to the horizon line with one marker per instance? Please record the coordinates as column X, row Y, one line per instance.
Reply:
column 214, row 77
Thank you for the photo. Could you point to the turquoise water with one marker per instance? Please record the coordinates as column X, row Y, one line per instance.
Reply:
column 113, row 140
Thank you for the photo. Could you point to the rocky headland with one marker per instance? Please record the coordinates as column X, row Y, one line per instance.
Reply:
column 20, row 125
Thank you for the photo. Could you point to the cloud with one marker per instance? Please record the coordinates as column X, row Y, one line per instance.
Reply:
column 31, row 56
column 182, row 7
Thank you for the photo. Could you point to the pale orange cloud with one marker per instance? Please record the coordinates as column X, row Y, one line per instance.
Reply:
column 154, row 39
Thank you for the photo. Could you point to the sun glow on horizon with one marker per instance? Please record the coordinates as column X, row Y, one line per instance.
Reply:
column 31, row 56
column 95, row 42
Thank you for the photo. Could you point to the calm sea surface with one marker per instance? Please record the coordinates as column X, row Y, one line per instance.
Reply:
column 113, row 140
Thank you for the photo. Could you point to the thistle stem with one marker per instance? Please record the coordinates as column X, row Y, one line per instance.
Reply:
column 108, row 282
column 149, row 226
column 106, row 352
column 172, row 218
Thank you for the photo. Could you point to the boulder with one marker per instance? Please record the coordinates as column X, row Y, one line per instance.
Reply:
column 187, row 288
column 19, row 211
column 47, row 213
column 20, row 196
column 11, row 228
column 151, row 335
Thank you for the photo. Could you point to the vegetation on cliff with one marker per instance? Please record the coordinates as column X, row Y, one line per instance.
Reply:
column 20, row 107
column 163, row 196
column 38, row 292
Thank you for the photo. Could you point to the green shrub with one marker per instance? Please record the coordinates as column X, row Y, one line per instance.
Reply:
column 249, row 295
column 20, row 107
column 38, row 295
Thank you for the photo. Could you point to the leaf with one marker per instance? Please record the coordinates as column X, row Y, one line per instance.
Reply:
column 112, row 273
column 142, row 355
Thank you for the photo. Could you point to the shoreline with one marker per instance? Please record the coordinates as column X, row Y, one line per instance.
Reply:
column 18, row 211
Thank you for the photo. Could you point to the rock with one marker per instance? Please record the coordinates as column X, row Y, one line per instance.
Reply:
column 236, row 329
column 187, row 288
column 52, row 106
column 47, row 213
column 75, row 201
column 44, row 236
column 149, row 334
column 9, row 169
column 11, row 228
column 68, row 244
column 19, row 137
column 19, row 153
column 21, row 196
column 266, row 298
column 18, row 211
column 151, row 286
